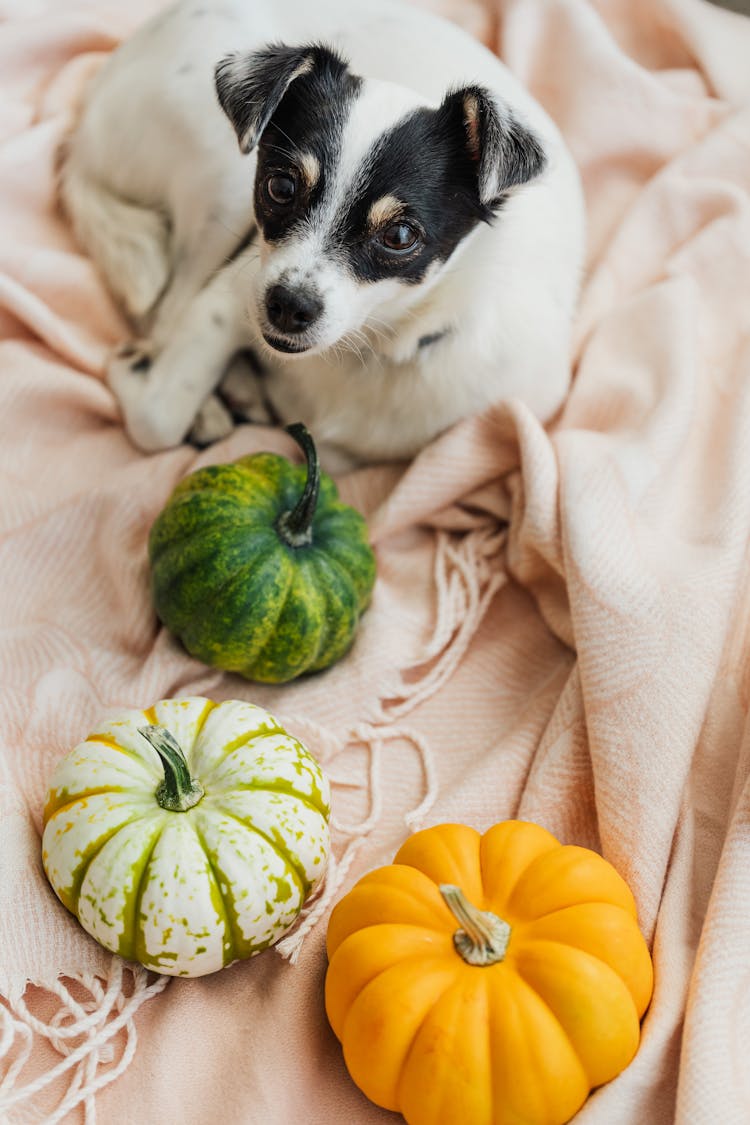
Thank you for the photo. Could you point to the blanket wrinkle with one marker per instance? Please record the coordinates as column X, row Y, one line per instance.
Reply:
column 560, row 629
column 466, row 576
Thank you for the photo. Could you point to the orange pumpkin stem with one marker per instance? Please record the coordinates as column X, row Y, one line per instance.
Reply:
column 483, row 937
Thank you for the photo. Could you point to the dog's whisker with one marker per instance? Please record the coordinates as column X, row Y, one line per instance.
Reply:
column 223, row 223
column 278, row 148
column 380, row 329
column 290, row 156
column 354, row 339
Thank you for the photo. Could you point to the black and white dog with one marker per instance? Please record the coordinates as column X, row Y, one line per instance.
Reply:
column 398, row 236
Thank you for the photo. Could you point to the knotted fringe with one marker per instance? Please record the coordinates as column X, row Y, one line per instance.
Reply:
column 86, row 1032
column 467, row 576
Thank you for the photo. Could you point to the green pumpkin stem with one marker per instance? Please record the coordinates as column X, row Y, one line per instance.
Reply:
column 295, row 527
column 178, row 791
column 483, row 937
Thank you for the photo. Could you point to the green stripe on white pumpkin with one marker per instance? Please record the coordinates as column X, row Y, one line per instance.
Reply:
column 186, row 892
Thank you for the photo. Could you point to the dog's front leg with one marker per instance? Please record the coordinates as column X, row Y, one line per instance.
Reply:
column 162, row 391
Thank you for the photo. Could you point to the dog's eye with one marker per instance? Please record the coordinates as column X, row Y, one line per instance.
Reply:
column 399, row 237
column 281, row 189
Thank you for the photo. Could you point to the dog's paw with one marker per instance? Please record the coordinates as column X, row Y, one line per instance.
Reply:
column 241, row 390
column 131, row 376
column 129, row 363
column 212, row 423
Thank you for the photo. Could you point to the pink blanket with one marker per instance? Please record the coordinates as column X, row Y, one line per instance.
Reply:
column 587, row 668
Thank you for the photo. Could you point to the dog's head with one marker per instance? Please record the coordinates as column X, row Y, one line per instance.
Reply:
column 363, row 191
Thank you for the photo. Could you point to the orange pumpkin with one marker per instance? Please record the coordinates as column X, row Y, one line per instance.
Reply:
column 487, row 980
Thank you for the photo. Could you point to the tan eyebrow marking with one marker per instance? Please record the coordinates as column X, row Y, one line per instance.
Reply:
column 310, row 168
column 383, row 209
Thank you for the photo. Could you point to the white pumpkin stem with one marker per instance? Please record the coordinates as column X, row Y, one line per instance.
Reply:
column 295, row 527
column 483, row 937
column 178, row 791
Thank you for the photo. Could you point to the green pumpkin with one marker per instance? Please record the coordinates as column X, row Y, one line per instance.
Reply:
column 259, row 568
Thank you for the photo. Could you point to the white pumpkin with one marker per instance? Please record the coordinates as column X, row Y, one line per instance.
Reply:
column 187, row 836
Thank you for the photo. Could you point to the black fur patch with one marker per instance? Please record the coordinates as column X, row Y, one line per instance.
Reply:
column 423, row 163
column 427, row 162
column 309, row 119
column 449, row 174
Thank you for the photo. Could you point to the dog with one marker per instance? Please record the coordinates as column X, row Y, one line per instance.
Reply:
column 355, row 194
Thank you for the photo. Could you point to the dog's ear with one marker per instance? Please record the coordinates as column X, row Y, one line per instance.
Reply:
column 250, row 86
column 505, row 152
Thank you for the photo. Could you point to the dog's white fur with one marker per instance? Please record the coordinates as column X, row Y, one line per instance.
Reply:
column 160, row 194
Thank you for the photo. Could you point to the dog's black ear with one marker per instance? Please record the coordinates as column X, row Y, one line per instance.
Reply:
column 506, row 153
column 250, row 86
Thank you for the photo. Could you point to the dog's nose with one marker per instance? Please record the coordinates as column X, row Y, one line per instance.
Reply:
column 292, row 310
